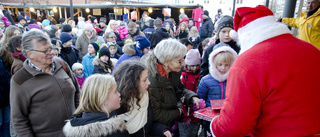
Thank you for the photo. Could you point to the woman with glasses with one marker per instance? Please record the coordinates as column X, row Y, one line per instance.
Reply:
column 167, row 93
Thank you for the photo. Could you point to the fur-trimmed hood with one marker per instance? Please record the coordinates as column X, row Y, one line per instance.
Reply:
column 95, row 61
column 213, row 70
column 128, row 49
column 97, row 129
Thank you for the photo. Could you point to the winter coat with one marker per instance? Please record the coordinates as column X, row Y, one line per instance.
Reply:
column 168, row 21
column 41, row 102
column 196, row 41
column 122, row 32
column 6, row 21
column 190, row 80
column 204, row 67
column 74, row 39
column 158, row 35
column 80, row 80
column 273, row 87
column 133, row 36
column 87, row 65
column 309, row 29
column 183, row 34
column 9, row 17
column 185, row 20
column 150, row 128
column 83, row 42
column 96, row 124
column 148, row 31
column 98, row 68
column 206, row 28
column 129, row 54
column 165, row 94
column 69, row 55
column 16, row 65
column 5, row 77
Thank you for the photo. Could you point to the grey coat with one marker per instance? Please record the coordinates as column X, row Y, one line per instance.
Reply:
column 83, row 42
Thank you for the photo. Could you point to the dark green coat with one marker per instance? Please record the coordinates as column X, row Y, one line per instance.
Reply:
column 163, row 93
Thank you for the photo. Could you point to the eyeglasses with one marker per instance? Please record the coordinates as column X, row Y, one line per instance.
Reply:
column 47, row 52
column 112, row 37
column 178, row 61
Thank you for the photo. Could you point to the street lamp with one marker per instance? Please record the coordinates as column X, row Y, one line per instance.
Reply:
column 54, row 9
column 31, row 9
column 181, row 10
column 150, row 10
column 87, row 10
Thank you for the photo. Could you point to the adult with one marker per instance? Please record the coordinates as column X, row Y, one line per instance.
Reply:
column 111, row 37
column 269, row 71
column 68, row 29
column 75, row 30
column 102, row 23
column 159, row 34
column 182, row 18
column 207, row 26
column 190, row 23
column 113, row 26
column 133, row 31
column 134, row 51
column 10, row 32
column 143, row 21
column 308, row 23
column 148, row 31
column 218, row 16
column 166, row 90
column 42, row 83
column 15, row 47
column 167, row 20
column 88, row 35
column 7, row 14
column 21, row 22
column 135, row 107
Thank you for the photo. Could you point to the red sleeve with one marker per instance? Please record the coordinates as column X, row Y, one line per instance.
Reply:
column 241, row 107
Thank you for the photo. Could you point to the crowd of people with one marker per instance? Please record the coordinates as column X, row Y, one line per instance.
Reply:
column 148, row 77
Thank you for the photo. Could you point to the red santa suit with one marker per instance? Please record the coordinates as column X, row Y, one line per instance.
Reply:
column 273, row 86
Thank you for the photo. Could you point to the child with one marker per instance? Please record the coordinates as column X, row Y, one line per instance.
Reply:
column 99, row 97
column 77, row 69
column 194, row 37
column 67, row 53
column 135, row 107
column 102, row 64
column 190, row 125
column 183, row 31
column 122, row 30
column 113, row 50
column 93, row 48
column 213, row 85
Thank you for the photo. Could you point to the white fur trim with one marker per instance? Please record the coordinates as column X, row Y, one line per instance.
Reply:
column 256, row 23
column 213, row 135
column 213, row 70
column 102, row 128
column 253, row 36
column 233, row 34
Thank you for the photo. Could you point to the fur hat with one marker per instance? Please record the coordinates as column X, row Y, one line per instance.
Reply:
column 21, row 18
column 76, row 66
column 66, row 28
column 65, row 37
column 104, row 51
column 143, row 42
column 46, row 22
column 225, row 21
column 95, row 46
column 206, row 12
column 88, row 26
column 193, row 57
column 61, row 20
column 103, row 19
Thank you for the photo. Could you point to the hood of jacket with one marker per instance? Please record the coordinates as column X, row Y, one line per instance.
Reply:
column 212, row 68
column 95, row 61
column 128, row 49
column 101, row 128
column 162, row 31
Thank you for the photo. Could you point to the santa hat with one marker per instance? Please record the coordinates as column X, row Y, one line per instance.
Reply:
column 248, row 18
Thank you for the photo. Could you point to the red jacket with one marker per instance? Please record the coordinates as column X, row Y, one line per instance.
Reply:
column 190, row 80
column 185, row 20
column 273, row 90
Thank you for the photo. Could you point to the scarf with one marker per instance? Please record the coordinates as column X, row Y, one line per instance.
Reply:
column 135, row 118
column 310, row 13
column 19, row 55
column 79, row 76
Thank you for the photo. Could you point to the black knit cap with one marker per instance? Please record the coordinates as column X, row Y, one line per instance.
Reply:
column 21, row 18
column 224, row 21
column 103, row 19
column 61, row 20
column 104, row 51
column 92, row 18
column 66, row 28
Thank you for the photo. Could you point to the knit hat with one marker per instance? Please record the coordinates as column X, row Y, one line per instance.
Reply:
column 103, row 19
column 76, row 66
column 65, row 37
column 21, row 18
column 28, row 17
column 143, row 42
column 248, row 18
column 104, row 51
column 166, row 17
column 122, row 23
column 224, row 21
column 182, row 15
column 131, row 25
column 66, row 28
column 111, row 44
column 46, row 22
column 92, row 18
column 34, row 26
column 51, row 30
column 61, row 20
column 206, row 13
column 95, row 46
column 219, row 10
column 193, row 57
column 88, row 26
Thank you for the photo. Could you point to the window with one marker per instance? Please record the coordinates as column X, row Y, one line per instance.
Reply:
column 206, row 1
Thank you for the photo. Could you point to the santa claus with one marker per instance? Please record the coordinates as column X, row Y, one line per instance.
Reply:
column 273, row 87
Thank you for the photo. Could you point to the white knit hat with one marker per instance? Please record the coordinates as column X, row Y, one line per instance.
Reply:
column 193, row 57
column 76, row 66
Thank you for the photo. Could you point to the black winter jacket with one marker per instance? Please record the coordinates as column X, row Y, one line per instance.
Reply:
column 158, row 35
column 69, row 55
column 206, row 28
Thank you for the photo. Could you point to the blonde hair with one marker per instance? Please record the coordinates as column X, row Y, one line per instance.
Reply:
column 185, row 28
column 223, row 57
column 95, row 92
column 195, row 31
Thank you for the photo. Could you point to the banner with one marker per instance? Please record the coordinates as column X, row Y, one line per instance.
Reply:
column 134, row 15
column 166, row 12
